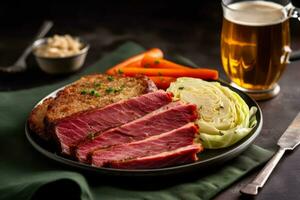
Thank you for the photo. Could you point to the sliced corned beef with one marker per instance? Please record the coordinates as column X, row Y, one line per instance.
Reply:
column 73, row 129
column 179, row 156
column 172, row 116
column 168, row 141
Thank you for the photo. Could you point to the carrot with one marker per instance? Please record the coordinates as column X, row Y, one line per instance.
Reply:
column 151, row 62
column 162, row 82
column 135, row 64
column 207, row 74
column 155, row 52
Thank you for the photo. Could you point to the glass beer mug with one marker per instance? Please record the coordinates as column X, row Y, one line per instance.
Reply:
column 255, row 44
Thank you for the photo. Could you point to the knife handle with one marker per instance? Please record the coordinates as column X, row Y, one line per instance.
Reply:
column 259, row 181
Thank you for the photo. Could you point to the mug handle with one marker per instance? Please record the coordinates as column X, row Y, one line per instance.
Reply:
column 294, row 13
column 295, row 55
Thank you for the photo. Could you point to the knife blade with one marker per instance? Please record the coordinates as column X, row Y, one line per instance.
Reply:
column 291, row 137
column 289, row 140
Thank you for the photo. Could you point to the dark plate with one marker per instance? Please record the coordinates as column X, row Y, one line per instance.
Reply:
column 208, row 158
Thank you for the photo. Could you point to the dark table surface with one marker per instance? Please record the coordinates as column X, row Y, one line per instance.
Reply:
column 191, row 30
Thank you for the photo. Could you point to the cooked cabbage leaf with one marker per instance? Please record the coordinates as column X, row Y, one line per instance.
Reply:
column 225, row 118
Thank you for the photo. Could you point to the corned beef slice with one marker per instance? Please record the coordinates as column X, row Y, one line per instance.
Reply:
column 182, row 155
column 73, row 129
column 168, row 141
column 169, row 117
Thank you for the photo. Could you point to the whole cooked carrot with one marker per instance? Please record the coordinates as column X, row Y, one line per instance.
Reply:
column 206, row 74
column 151, row 62
column 162, row 82
column 135, row 64
column 155, row 52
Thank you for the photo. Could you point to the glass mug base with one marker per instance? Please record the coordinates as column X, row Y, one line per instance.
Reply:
column 260, row 95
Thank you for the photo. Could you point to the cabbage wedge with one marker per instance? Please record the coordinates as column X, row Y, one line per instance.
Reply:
column 224, row 119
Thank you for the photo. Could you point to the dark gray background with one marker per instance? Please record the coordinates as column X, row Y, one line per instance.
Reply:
column 188, row 28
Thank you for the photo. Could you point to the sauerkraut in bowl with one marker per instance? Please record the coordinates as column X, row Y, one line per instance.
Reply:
column 59, row 46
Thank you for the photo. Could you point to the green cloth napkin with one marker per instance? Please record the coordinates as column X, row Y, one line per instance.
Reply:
column 26, row 174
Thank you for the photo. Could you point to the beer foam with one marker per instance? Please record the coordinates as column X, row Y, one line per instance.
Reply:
column 255, row 13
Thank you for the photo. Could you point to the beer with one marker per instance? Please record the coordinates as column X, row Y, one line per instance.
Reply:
column 255, row 43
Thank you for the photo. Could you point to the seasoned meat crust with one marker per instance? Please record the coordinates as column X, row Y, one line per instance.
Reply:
column 91, row 91
column 36, row 119
column 107, row 90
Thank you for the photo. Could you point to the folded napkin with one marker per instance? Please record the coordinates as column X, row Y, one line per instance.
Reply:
column 26, row 174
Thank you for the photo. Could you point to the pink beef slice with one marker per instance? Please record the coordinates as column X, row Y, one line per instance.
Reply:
column 168, row 141
column 71, row 130
column 169, row 117
column 183, row 155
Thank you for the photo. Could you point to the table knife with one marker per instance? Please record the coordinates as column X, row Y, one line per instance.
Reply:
column 288, row 141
